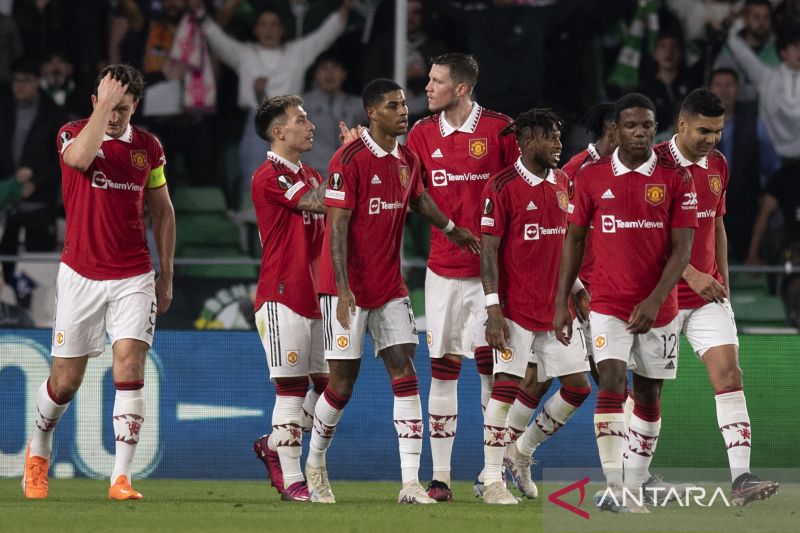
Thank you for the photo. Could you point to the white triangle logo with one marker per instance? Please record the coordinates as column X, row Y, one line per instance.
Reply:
column 531, row 206
column 437, row 153
column 376, row 180
column 608, row 195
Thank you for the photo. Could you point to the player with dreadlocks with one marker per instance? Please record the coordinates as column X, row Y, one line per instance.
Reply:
column 523, row 226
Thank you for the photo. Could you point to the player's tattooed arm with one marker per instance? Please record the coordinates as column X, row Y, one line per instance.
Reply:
column 425, row 207
column 571, row 259
column 313, row 201
column 339, row 227
column 497, row 332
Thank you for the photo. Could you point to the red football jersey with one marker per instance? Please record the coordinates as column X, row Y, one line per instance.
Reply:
column 530, row 216
column 633, row 213
column 571, row 169
column 456, row 163
column 105, row 236
column 291, row 240
column 711, row 181
column 376, row 186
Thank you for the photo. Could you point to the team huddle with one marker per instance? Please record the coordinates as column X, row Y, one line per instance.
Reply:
column 535, row 272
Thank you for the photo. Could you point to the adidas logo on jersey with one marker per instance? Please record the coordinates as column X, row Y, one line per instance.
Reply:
column 608, row 195
column 376, row 180
column 437, row 154
column 531, row 206
column 670, row 366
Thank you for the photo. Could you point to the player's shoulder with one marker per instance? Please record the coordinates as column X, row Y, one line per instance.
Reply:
column 598, row 165
column 662, row 150
column 406, row 153
column 350, row 151
column 664, row 158
column 561, row 177
column 74, row 125
column 717, row 158
column 493, row 118
column 425, row 124
column 576, row 162
column 500, row 181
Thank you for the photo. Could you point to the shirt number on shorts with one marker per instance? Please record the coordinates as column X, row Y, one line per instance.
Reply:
column 670, row 344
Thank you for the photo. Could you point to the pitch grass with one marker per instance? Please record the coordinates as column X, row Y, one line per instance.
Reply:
column 222, row 506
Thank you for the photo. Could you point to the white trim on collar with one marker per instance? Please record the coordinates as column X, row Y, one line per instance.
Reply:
column 468, row 126
column 682, row 161
column 283, row 161
column 126, row 137
column 375, row 149
column 645, row 168
column 532, row 179
column 593, row 151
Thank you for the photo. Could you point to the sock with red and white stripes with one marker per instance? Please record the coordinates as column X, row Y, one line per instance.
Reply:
column 520, row 415
column 287, row 431
column 443, row 414
column 609, row 430
column 49, row 410
column 310, row 402
column 734, row 424
column 643, row 431
column 129, row 411
column 554, row 414
column 484, row 362
column 495, row 422
column 407, row 416
column 327, row 413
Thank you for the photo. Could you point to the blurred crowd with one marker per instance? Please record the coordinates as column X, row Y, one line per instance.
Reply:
column 209, row 63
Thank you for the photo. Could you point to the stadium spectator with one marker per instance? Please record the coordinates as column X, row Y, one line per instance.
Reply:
column 106, row 284
column 360, row 282
column 460, row 138
column 520, row 304
column 329, row 105
column 10, row 47
column 751, row 160
column 758, row 35
column 30, row 123
column 60, row 82
column 270, row 66
column 706, row 316
column 289, row 209
column 633, row 308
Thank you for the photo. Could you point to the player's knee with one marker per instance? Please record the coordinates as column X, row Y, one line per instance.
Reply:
column 64, row 387
column 532, row 387
column 578, row 380
column 726, row 379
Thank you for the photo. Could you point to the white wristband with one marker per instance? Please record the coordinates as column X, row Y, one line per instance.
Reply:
column 492, row 299
column 577, row 286
column 449, row 226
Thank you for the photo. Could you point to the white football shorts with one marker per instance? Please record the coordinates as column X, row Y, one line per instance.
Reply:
column 455, row 312
column 292, row 342
column 708, row 326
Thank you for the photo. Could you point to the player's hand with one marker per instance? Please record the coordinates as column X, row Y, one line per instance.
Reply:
column 643, row 316
column 110, row 91
column 163, row 293
column 347, row 135
column 345, row 308
column 464, row 239
column 581, row 301
column 562, row 323
column 707, row 287
column 497, row 332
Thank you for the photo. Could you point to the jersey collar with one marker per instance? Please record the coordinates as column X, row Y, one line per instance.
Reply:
column 682, row 161
column 532, row 179
column 645, row 168
column 593, row 152
column 375, row 149
column 126, row 137
column 278, row 159
column 468, row 126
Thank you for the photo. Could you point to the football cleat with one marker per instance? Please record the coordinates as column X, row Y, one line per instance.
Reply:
column 440, row 491
column 497, row 493
column 122, row 490
column 296, row 492
column 318, row 484
column 34, row 478
column 655, row 488
column 519, row 467
column 412, row 492
column 271, row 461
column 747, row 488
column 478, row 488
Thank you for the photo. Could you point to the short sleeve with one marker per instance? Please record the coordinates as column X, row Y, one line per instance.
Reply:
column 342, row 183
column 155, row 154
column 414, row 143
column 684, row 204
column 418, row 187
column 581, row 208
column 510, row 149
column 284, row 189
column 493, row 214
column 66, row 136
column 722, row 208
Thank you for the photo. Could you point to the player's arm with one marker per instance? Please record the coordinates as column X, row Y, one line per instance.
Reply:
column 721, row 251
column 424, row 206
column 646, row 311
column 769, row 204
column 571, row 259
column 496, row 327
column 313, row 201
column 162, row 216
column 80, row 153
column 339, row 226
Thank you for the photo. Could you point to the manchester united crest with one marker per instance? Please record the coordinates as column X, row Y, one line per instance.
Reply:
column 478, row 147
column 139, row 159
column 600, row 341
column 715, row 183
column 506, row 355
column 654, row 194
column 405, row 175
column 292, row 358
column 563, row 200
column 59, row 338
column 343, row 342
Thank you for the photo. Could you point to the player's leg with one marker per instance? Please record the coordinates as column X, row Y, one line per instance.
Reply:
column 529, row 393
column 78, row 333
column 319, row 381
column 317, row 477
